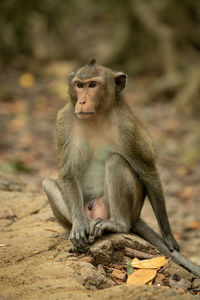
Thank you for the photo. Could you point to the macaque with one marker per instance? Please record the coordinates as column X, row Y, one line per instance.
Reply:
column 106, row 162
column 106, row 166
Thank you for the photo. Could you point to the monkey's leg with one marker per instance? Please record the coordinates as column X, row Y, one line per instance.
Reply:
column 61, row 211
column 124, row 196
column 146, row 232
column 58, row 206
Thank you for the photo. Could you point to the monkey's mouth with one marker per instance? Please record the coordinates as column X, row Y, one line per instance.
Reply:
column 85, row 115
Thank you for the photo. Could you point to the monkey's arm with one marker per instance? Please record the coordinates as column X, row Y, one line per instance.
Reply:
column 137, row 150
column 68, row 182
column 143, row 230
column 73, row 199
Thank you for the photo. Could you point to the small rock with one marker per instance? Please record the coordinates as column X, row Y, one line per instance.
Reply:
column 101, row 269
column 183, row 283
column 196, row 283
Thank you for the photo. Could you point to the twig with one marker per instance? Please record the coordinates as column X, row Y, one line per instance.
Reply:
column 139, row 254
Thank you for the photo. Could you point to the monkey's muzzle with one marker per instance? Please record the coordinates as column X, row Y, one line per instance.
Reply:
column 85, row 115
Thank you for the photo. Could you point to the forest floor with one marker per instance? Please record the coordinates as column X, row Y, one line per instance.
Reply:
column 29, row 104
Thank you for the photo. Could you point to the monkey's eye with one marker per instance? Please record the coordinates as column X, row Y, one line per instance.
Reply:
column 80, row 85
column 92, row 84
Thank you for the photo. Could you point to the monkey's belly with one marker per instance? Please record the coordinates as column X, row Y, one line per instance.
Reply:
column 92, row 179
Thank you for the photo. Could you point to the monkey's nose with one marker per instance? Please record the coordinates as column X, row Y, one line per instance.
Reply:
column 82, row 101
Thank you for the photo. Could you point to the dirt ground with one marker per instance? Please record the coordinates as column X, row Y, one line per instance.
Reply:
column 33, row 246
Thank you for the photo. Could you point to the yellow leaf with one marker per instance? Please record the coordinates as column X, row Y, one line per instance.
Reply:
column 26, row 80
column 16, row 124
column 152, row 263
column 3, row 245
column 135, row 259
column 141, row 276
column 150, row 282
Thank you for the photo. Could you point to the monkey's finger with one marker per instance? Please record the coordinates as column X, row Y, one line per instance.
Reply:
column 94, row 224
column 110, row 227
column 80, row 239
column 91, row 239
column 84, row 236
column 98, row 229
column 74, row 238
column 73, row 241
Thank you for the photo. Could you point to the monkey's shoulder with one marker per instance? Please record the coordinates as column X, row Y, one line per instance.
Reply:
column 136, row 142
column 64, row 114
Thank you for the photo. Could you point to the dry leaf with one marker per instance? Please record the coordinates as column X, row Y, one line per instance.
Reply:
column 177, row 236
column 186, row 193
column 118, row 274
column 117, row 281
column 88, row 259
column 135, row 260
column 141, row 276
column 16, row 124
column 26, row 80
column 3, row 245
column 194, row 225
column 51, row 229
column 152, row 263
column 150, row 282
column 181, row 291
column 159, row 280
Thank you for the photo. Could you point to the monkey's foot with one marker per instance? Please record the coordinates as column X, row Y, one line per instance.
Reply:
column 79, row 235
column 98, row 226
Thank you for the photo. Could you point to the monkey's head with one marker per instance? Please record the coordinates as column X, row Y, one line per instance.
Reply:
column 94, row 89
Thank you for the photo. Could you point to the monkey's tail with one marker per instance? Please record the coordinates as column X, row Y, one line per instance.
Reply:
column 146, row 232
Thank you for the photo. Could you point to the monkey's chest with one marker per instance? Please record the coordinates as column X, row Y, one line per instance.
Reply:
column 92, row 179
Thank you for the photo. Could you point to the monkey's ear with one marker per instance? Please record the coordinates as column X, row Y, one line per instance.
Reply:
column 92, row 62
column 120, row 81
column 72, row 74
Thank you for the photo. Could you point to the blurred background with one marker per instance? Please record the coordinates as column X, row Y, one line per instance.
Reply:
column 157, row 43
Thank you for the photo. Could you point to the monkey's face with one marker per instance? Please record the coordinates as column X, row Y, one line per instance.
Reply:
column 89, row 94
column 94, row 90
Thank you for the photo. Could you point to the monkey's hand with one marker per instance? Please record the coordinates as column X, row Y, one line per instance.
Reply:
column 98, row 226
column 171, row 243
column 79, row 235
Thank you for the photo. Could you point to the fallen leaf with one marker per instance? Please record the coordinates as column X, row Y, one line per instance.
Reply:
column 118, row 274
column 194, row 225
column 130, row 269
column 135, row 259
column 17, row 123
column 152, row 263
column 141, row 276
column 150, row 282
column 27, row 80
column 50, row 229
column 181, row 291
column 177, row 236
column 117, row 281
column 186, row 193
column 3, row 245
column 159, row 280
column 88, row 259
